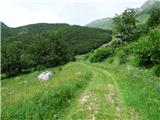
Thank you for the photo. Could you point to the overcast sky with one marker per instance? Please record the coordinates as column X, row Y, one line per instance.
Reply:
column 22, row 12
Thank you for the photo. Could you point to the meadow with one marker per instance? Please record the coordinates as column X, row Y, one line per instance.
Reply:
column 81, row 90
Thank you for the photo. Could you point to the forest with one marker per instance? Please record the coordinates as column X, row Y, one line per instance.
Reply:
column 31, row 47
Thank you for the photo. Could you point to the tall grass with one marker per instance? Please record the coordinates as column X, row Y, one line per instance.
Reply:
column 24, row 97
column 48, row 105
column 140, row 89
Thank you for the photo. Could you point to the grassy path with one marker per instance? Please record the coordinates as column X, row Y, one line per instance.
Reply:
column 101, row 99
column 78, row 91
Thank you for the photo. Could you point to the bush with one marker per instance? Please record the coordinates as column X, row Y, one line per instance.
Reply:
column 40, row 67
column 100, row 54
column 3, row 76
column 144, row 52
column 123, row 53
column 40, row 54
column 122, row 56
column 156, row 70
column 133, row 60
column 110, row 60
column 147, row 49
column 154, row 19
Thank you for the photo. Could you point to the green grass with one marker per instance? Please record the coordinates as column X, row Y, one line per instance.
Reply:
column 138, row 87
column 83, row 91
column 42, row 99
column 93, row 102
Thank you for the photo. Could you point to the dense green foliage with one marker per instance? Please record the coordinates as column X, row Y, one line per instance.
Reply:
column 125, row 25
column 142, row 51
column 43, row 52
column 142, row 15
column 45, row 45
column 154, row 19
column 147, row 48
column 77, row 37
column 100, row 54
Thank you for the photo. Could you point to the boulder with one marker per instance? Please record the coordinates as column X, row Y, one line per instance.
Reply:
column 45, row 75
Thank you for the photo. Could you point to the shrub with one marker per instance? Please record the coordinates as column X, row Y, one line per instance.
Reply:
column 147, row 49
column 156, row 70
column 122, row 56
column 100, row 54
column 3, row 76
column 110, row 60
column 133, row 60
column 40, row 67
column 154, row 19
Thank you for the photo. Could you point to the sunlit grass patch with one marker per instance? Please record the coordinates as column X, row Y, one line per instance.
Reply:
column 44, row 99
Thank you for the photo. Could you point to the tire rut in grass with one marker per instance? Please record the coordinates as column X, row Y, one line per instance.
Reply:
column 114, row 97
column 92, row 102
column 101, row 99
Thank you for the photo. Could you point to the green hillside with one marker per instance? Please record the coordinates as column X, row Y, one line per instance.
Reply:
column 76, row 36
column 43, row 45
column 143, row 14
column 148, row 7
column 105, row 23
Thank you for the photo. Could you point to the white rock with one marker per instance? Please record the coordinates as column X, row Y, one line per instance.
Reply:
column 45, row 75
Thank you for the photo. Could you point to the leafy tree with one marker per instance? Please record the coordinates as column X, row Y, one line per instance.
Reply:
column 146, row 49
column 38, row 46
column 59, row 52
column 100, row 54
column 11, row 64
column 154, row 19
column 125, row 24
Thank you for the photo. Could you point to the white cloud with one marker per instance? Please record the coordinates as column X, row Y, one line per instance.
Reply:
column 22, row 12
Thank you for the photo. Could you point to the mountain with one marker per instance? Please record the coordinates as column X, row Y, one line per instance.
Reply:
column 2, row 25
column 104, row 23
column 142, row 15
column 148, row 7
column 46, row 45
column 81, row 39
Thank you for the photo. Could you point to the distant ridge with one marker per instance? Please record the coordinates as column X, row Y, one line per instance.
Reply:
column 148, row 7
column 104, row 23
column 77, row 37
column 142, row 15
column 3, row 25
